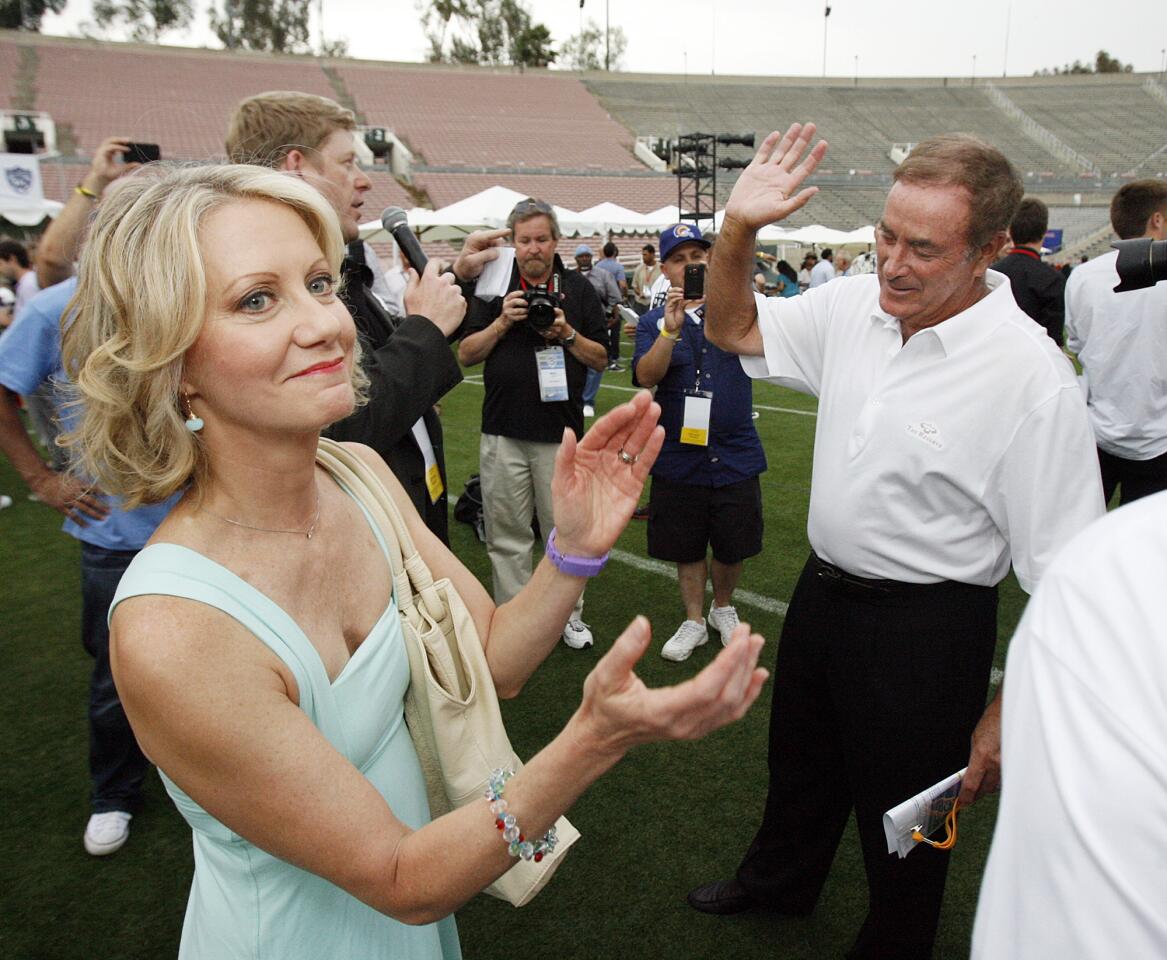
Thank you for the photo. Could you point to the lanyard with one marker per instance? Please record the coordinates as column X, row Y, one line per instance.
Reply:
column 693, row 347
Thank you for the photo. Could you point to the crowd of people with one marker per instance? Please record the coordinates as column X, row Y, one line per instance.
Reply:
column 199, row 330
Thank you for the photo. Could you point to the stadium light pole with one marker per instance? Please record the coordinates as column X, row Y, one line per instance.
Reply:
column 1005, row 58
column 826, row 18
column 607, row 39
column 974, row 73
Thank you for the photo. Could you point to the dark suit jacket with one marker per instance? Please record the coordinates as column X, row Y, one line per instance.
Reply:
column 410, row 368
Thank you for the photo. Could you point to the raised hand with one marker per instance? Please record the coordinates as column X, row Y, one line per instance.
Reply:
column 618, row 711
column 767, row 190
column 480, row 248
column 598, row 480
column 435, row 295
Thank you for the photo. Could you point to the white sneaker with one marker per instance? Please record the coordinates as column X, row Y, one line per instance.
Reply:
column 689, row 636
column 107, row 832
column 723, row 620
column 5, row 501
column 577, row 635
column 589, row 410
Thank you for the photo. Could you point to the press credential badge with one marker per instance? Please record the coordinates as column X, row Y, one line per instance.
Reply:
column 695, row 425
column 433, row 476
column 552, row 374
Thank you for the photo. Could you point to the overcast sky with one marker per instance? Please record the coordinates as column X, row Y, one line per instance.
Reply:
column 876, row 37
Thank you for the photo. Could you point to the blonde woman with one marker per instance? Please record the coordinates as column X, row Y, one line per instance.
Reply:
column 209, row 348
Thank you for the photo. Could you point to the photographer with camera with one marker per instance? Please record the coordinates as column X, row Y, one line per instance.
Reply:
column 1120, row 340
column 538, row 342
column 705, row 491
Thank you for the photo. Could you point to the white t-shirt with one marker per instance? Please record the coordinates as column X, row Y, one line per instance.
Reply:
column 26, row 288
column 943, row 458
column 822, row 272
column 658, row 292
column 1078, row 865
column 1121, row 342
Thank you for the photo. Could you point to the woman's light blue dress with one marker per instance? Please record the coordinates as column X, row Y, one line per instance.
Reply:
column 244, row 902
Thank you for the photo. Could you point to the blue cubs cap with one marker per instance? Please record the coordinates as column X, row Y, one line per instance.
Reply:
column 680, row 233
column 583, row 249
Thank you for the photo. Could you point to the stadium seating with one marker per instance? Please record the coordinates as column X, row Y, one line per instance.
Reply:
column 484, row 118
column 178, row 99
column 1117, row 125
column 568, row 138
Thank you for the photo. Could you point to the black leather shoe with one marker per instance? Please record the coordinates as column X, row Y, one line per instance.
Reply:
column 722, row 897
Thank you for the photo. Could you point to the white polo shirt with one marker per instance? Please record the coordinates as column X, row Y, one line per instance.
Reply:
column 943, row 458
column 1078, row 866
column 1121, row 342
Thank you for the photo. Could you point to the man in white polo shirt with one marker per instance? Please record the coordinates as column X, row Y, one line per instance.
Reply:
column 1121, row 341
column 944, row 414
column 1077, row 868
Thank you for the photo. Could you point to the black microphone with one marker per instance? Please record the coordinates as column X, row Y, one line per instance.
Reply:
column 394, row 220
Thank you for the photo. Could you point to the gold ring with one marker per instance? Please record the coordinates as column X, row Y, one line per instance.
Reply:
column 628, row 458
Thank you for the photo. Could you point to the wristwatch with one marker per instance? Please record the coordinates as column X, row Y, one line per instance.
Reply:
column 568, row 340
column 573, row 566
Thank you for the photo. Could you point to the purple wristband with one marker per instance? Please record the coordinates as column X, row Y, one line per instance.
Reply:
column 574, row 566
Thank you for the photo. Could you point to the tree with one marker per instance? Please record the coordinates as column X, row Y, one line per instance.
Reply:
column 273, row 26
column 147, row 19
column 493, row 32
column 1103, row 63
column 27, row 14
column 586, row 50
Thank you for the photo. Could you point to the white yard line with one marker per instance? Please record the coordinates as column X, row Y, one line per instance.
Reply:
column 756, row 600
column 477, row 381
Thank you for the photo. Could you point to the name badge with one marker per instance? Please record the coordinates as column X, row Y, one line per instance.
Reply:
column 695, row 424
column 433, row 476
column 552, row 367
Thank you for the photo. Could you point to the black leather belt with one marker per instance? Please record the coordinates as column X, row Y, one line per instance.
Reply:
column 863, row 585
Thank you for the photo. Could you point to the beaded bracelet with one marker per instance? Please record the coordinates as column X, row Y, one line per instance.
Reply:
column 517, row 844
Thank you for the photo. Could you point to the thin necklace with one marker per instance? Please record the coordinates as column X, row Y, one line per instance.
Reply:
column 250, row 526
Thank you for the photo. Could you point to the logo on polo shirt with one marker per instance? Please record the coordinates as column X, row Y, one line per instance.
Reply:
column 928, row 432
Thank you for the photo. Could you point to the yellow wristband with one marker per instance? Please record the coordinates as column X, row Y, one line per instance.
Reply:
column 86, row 192
column 670, row 336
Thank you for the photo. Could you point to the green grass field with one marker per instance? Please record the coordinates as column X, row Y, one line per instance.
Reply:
column 666, row 819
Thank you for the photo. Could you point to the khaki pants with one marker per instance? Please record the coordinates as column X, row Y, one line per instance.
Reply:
column 516, row 485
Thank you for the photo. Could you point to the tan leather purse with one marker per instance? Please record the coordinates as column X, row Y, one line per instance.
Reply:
column 451, row 706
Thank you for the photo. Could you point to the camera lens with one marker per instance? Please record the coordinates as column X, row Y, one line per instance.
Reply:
column 1141, row 263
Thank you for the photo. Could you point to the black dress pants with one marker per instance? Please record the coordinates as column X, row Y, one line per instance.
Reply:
column 1138, row 478
column 877, row 688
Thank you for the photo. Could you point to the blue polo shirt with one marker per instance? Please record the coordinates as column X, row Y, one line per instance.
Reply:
column 30, row 354
column 734, row 452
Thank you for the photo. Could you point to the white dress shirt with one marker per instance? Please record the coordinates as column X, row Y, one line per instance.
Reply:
column 942, row 458
column 821, row 273
column 1078, row 866
column 1121, row 342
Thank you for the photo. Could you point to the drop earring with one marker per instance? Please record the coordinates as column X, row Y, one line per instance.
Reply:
column 193, row 424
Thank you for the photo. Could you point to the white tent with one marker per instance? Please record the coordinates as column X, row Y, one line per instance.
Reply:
column 612, row 218
column 486, row 209
column 862, row 235
column 817, row 234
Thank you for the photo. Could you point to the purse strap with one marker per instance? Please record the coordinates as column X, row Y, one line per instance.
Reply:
column 413, row 583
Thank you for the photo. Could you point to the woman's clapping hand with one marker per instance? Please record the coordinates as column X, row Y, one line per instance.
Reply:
column 598, row 480
column 618, row 711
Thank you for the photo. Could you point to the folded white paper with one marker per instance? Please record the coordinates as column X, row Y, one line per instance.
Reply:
column 496, row 275
column 925, row 813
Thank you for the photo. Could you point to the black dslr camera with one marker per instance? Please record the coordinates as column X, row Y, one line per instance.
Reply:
column 1141, row 263
column 541, row 304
